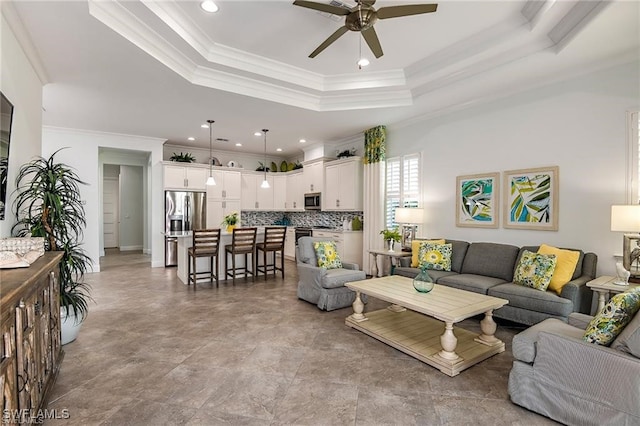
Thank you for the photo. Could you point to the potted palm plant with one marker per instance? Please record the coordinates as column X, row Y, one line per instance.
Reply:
column 391, row 236
column 48, row 205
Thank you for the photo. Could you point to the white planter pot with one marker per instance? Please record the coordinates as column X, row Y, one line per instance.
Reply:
column 69, row 326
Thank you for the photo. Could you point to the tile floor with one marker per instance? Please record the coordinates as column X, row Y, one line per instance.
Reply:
column 153, row 352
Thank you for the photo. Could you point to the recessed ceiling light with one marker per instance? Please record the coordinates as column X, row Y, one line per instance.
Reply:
column 257, row 134
column 238, row 144
column 191, row 139
column 279, row 149
column 204, row 126
column 209, row 6
column 303, row 140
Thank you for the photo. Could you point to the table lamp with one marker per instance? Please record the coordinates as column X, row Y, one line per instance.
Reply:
column 409, row 218
column 627, row 219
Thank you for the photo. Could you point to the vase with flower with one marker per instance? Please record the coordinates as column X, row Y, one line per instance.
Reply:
column 231, row 221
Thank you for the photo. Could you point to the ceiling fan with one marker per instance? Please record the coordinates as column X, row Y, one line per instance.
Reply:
column 361, row 18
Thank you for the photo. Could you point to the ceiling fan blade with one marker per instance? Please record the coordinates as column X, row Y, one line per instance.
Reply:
column 406, row 10
column 333, row 37
column 322, row 7
column 371, row 38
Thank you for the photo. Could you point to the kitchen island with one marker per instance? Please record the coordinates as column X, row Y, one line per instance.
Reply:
column 185, row 241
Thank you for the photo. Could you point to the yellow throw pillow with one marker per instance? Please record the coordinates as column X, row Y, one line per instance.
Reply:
column 415, row 248
column 567, row 260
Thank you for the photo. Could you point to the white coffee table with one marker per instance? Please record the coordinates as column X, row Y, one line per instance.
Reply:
column 413, row 323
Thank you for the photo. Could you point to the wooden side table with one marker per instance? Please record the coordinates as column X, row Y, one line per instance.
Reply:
column 390, row 254
column 604, row 285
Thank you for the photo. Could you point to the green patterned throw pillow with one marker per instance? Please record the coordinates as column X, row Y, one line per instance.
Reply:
column 613, row 318
column 535, row 270
column 434, row 256
column 327, row 255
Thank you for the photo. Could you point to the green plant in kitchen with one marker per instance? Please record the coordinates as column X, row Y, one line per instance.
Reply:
column 231, row 219
column 183, row 158
column 391, row 234
column 48, row 205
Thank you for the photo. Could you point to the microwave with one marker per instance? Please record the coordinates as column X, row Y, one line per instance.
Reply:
column 312, row 201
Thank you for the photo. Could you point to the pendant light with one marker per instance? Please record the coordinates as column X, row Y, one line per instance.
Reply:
column 265, row 182
column 210, row 180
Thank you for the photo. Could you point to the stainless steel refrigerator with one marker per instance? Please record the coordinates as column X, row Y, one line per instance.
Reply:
column 183, row 211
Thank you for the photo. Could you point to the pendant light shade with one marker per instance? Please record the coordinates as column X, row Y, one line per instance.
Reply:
column 265, row 182
column 210, row 180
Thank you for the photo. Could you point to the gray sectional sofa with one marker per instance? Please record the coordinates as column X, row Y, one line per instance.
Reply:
column 488, row 268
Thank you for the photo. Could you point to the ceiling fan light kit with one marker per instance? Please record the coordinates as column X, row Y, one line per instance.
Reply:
column 361, row 18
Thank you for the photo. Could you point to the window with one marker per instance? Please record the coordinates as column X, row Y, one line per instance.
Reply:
column 403, row 185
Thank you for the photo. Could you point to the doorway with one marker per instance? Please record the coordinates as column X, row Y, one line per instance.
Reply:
column 111, row 208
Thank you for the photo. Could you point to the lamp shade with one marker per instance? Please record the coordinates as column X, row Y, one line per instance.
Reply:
column 625, row 218
column 409, row 215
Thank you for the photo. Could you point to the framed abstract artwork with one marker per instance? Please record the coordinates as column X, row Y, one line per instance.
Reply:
column 531, row 199
column 477, row 200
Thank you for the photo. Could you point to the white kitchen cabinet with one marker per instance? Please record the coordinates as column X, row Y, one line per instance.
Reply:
column 313, row 175
column 290, row 244
column 343, row 185
column 218, row 209
column 192, row 177
column 295, row 193
column 228, row 185
column 348, row 243
column 253, row 196
column 279, row 192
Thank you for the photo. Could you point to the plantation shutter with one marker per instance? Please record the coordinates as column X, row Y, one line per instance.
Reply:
column 403, row 185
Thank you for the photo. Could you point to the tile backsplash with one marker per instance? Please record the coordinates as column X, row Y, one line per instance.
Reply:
column 311, row 218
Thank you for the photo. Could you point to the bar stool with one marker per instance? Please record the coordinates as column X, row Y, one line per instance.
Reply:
column 273, row 243
column 243, row 242
column 205, row 243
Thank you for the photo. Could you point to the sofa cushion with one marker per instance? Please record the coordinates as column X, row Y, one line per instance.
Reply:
column 458, row 253
column 490, row 259
column 533, row 300
column 535, row 270
column 327, row 254
column 470, row 282
column 576, row 273
column 524, row 343
column 565, row 267
column 629, row 339
column 338, row 277
column 415, row 248
column 616, row 314
column 412, row 272
column 435, row 256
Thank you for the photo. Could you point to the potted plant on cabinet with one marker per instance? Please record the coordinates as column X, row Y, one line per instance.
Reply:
column 390, row 237
column 48, row 205
column 231, row 221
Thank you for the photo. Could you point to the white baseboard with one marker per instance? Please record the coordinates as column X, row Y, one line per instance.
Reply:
column 157, row 264
column 130, row 248
column 146, row 251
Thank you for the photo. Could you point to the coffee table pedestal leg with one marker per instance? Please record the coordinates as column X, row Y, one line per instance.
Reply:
column 488, row 327
column 358, row 308
column 448, row 341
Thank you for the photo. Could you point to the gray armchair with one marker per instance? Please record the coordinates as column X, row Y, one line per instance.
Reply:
column 324, row 287
column 559, row 375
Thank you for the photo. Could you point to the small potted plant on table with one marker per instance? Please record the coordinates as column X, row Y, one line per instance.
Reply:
column 231, row 221
column 390, row 237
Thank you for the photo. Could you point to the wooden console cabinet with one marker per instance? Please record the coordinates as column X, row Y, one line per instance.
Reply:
column 30, row 351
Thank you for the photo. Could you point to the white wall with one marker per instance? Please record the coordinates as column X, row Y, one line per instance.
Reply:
column 21, row 85
column 578, row 125
column 83, row 155
column 131, row 208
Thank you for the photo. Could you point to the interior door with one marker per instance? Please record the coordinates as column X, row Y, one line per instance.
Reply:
column 110, row 209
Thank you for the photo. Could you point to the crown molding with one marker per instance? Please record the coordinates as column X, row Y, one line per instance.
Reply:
column 12, row 18
column 335, row 93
